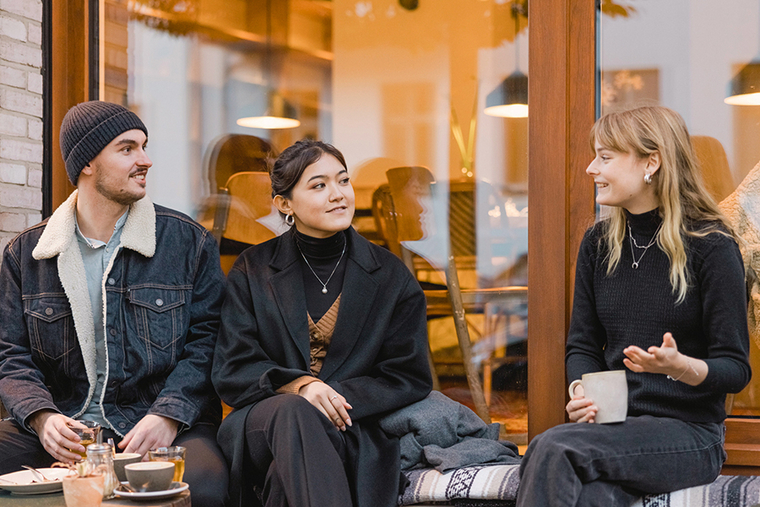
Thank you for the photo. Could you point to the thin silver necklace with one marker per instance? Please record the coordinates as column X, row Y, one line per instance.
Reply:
column 324, row 284
column 633, row 243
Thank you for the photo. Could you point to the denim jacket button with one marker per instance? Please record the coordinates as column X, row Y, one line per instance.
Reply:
column 113, row 332
column 122, row 425
column 48, row 311
column 111, row 281
column 159, row 302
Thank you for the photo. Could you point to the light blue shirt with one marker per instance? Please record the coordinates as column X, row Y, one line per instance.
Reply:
column 96, row 256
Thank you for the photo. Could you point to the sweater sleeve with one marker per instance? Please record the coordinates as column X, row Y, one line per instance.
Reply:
column 724, row 314
column 584, row 352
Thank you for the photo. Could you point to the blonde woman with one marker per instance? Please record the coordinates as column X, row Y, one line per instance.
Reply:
column 659, row 293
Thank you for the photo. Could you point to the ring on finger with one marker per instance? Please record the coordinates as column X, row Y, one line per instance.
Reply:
column 334, row 397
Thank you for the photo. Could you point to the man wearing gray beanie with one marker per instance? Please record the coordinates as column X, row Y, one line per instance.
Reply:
column 110, row 314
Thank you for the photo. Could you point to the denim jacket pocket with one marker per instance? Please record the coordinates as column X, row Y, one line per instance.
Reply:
column 159, row 314
column 51, row 327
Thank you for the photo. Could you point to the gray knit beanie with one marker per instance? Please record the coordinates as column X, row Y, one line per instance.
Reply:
column 88, row 128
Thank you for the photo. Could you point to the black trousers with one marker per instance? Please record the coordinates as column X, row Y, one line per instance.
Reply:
column 297, row 454
column 205, row 468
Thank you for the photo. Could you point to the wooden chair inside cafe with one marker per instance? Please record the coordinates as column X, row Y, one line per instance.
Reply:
column 244, row 213
column 408, row 211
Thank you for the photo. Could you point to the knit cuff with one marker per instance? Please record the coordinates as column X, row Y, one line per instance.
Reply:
column 294, row 386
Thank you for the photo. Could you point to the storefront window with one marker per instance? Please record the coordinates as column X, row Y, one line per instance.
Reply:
column 685, row 55
column 401, row 88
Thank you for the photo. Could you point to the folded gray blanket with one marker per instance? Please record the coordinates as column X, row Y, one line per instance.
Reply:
column 441, row 433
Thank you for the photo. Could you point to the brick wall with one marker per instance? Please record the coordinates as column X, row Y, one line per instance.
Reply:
column 20, row 116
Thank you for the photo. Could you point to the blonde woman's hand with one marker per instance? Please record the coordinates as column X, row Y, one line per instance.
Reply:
column 330, row 403
column 662, row 359
column 666, row 360
column 580, row 408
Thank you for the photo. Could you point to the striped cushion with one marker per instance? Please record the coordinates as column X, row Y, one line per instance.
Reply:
column 726, row 491
column 500, row 482
column 494, row 482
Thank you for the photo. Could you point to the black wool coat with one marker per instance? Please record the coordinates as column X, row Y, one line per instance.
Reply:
column 377, row 357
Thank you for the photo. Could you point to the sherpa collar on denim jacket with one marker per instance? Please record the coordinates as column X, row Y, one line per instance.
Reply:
column 59, row 239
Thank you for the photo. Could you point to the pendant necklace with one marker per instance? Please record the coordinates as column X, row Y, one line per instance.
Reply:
column 633, row 243
column 324, row 284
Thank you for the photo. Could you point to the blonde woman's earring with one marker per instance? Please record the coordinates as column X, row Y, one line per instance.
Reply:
column 290, row 220
column 648, row 178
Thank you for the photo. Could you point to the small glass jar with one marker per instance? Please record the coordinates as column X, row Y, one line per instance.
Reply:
column 101, row 458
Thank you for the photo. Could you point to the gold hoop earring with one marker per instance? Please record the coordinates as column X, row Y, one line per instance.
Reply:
column 648, row 178
column 290, row 220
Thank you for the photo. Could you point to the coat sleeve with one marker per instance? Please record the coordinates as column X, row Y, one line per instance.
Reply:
column 188, row 391
column 22, row 385
column 587, row 337
column 243, row 373
column 401, row 373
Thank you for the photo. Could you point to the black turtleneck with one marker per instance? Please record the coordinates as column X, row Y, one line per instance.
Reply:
column 322, row 255
column 637, row 306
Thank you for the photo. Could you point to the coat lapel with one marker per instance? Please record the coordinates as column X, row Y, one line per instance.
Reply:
column 288, row 289
column 358, row 296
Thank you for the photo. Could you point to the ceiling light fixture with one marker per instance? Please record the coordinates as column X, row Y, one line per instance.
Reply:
column 279, row 113
column 510, row 98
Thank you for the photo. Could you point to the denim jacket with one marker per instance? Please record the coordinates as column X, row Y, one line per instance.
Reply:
column 163, row 292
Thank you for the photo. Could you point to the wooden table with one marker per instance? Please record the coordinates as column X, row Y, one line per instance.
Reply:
column 56, row 500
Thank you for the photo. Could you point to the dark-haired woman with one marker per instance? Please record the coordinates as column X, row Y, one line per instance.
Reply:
column 321, row 333
column 659, row 293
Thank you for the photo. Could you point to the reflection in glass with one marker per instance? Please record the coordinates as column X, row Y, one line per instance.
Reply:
column 685, row 55
column 394, row 88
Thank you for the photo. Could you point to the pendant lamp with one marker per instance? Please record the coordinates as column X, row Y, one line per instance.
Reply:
column 744, row 88
column 279, row 113
column 510, row 98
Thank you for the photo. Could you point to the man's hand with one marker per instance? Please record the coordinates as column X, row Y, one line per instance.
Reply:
column 150, row 432
column 55, row 435
column 329, row 402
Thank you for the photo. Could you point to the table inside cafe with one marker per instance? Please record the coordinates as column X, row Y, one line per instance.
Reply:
column 56, row 500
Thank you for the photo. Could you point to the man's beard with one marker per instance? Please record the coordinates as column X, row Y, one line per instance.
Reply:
column 120, row 198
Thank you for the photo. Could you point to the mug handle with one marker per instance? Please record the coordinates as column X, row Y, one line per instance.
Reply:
column 573, row 385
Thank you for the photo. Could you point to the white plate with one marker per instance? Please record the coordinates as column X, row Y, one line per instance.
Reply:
column 26, row 484
column 175, row 489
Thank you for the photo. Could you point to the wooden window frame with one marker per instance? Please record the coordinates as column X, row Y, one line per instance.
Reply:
column 562, row 86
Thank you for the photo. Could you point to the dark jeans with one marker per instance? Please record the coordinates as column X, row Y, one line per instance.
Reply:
column 205, row 467
column 298, row 454
column 608, row 465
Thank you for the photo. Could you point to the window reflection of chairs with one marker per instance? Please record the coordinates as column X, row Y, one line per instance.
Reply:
column 432, row 227
column 234, row 153
column 245, row 214
column 714, row 164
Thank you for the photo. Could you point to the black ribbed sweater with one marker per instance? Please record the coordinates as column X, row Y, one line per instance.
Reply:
column 637, row 306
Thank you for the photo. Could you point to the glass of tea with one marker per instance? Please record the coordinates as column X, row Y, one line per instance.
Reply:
column 175, row 454
column 89, row 433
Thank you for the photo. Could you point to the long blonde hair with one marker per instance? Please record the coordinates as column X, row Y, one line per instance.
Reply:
column 682, row 196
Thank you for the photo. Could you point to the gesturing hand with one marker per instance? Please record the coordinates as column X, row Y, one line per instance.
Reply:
column 150, row 432
column 662, row 359
column 55, row 435
column 329, row 402
column 580, row 408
